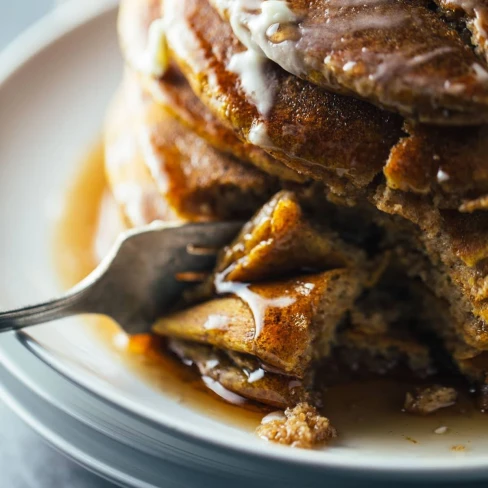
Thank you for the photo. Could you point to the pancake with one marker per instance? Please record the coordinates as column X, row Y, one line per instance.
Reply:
column 288, row 319
column 154, row 161
column 326, row 136
column 173, row 92
column 397, row 54
column 448, row 251
column 280, row 239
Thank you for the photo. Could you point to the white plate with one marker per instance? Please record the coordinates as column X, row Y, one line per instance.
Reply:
column 55, row 84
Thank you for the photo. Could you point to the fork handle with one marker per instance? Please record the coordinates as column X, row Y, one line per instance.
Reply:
column 58, row 308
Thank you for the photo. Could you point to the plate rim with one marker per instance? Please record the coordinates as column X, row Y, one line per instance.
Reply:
column 40, row 36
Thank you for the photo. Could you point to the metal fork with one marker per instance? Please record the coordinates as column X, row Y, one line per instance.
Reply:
column 140, row 278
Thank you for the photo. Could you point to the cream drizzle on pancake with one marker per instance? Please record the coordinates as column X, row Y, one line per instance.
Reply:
column 250, row 65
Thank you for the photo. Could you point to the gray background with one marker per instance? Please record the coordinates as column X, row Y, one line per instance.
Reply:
column 25, row 460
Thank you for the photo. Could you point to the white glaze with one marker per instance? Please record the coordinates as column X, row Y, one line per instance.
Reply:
column 211, row 364
column 454, row 88
column 121, row 341
column 475, row 9
column 393, row 63
column 255, row 375
column 151, row 59
column 424, row 58
column 262, row 26
column 258, row 135
column 257, row 304
column 250, row 66
column 479, row 25
column 480, row 72
column 216, row 322
column 278, row 415
column 226, row 394
column 181, row 45
column 157, row 50
column 442, row 176
column 349, row 66
column 252, row 32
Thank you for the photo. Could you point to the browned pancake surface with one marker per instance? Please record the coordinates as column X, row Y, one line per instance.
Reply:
column 398, row 54
column 172, row 172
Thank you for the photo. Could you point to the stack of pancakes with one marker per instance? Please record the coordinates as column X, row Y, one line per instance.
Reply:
column 353, row 135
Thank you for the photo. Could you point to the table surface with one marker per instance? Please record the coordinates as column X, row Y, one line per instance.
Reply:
column 26, row 461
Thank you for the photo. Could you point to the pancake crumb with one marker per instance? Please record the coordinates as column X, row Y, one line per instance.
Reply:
column 411, row 439
column 424, row 401
column 301, row 426
column 458, row 448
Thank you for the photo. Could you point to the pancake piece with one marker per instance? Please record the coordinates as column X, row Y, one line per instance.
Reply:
column 289, row 321
column 242, row 375
column 176, row 96
column 451, row 164
column 280, row 239
column 301, row 426
column 285, row 324
column 397, row 54
column 326, row 136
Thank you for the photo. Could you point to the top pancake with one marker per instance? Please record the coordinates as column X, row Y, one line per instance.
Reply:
column 321, row 134
column 398, row 54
